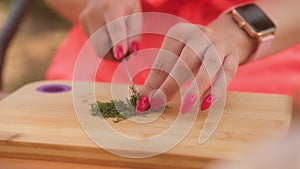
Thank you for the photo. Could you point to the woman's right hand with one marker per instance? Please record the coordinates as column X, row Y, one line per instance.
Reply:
column 99, row 13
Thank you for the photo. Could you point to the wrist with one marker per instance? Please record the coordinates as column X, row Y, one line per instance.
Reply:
column 227, row 29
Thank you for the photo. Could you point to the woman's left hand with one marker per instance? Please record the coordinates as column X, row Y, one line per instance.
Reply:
column 209, row 54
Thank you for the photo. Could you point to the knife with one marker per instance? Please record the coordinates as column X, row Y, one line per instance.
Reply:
column 128, row 72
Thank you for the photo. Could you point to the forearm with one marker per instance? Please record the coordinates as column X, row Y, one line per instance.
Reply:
column 283, row 13
column 69, row 9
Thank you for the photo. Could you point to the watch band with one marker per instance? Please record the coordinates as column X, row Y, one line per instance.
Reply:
column 264, row 43
column 263, row 36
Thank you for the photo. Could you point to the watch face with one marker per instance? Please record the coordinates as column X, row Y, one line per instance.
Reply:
column 255, row 17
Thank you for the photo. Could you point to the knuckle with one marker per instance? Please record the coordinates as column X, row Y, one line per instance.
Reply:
column 159, row 72
column 230, row 70
column 82, row 16
column 106, row 6
column 147, row 88
column 180, row 26
column 203, row 83
column 89, row 13
column 215, row 52
column 85, row 15
column 213, row 60
column 208, row 31
column 179, row 30
column 169, row 92
column 159, row 67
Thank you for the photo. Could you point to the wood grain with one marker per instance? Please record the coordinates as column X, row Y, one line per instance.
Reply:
column 11, row 163
column 41, row 126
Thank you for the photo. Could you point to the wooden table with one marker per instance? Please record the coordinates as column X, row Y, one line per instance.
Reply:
column 259, row 103
column 14, row 163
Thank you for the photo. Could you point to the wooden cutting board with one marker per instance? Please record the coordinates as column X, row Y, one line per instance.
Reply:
column 36, row 125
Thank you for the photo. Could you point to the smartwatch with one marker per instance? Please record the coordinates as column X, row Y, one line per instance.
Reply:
column 257, row 25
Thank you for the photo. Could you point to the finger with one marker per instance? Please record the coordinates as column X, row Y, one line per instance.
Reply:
column 92, row 26
column 186, row 65
column 117, row 32
column 134, row 24
column 84, row 25
column 159, row 71
column 198, row 47
column 90, row 20
column 164, row 62
column 223, row 79
column 213, row 58
column 174, row 42
column 216, row 96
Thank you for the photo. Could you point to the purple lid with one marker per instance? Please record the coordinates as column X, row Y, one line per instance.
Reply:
column 53, row 88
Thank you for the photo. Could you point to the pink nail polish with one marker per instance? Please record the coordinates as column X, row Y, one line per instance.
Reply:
column 156, row 103
column 119, row 53
column 134, row 46
column 188, row 102
column 208, row 100
column 142, row 104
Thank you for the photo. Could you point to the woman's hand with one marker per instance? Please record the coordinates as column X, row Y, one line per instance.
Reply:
column 99, row 13
column 210, row 55
column 191, row 50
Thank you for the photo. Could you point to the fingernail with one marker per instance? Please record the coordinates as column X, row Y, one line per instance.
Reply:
column 188, row 102
column 156, row 103
column 142, row 105
column 208, row 100
column 119, row 53
column 134, row 46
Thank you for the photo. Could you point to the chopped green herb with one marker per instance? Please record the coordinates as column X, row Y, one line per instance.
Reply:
column 118, row 110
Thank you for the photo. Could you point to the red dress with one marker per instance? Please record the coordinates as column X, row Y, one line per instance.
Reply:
column 279, row 73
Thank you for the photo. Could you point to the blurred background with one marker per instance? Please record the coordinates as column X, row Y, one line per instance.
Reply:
column 31, row 50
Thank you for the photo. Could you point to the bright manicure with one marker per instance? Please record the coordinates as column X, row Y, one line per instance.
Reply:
column 134, row 46
column 142, row 105
column 208, row 100
column 188, row 102
column 119, row 52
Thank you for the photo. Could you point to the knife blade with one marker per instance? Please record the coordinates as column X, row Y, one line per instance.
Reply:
column 128, row 72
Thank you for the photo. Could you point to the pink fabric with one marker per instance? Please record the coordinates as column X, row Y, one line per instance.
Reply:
column 275, row 74
column 279, row 74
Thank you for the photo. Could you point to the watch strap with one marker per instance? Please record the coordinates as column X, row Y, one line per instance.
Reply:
column 263, row 41
column 263, row 45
